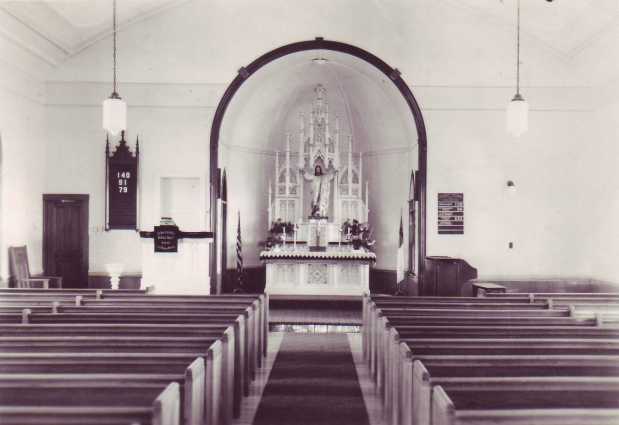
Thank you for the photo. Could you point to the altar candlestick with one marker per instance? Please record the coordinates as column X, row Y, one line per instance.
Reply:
column 294, row 242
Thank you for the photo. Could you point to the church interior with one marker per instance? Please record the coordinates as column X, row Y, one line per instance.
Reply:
column 381, row 212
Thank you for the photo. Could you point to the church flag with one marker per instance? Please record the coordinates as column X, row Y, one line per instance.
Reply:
column 400, row 257
column 239, row 256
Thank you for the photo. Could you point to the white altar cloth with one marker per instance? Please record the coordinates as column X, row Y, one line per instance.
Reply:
column 304, row 272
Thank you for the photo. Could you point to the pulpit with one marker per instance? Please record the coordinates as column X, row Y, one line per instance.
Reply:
column 174, row 261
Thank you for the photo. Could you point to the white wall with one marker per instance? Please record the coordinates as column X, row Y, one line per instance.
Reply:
column 175, row 65
column 173, row 143
column 546, row 218
column 22, row 158
column 603, row 137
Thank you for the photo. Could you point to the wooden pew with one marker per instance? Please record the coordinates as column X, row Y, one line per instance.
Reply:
column 222, row 308
column 191, row 383
column 385, row 318
column 409, row 308
column 380, row 333
column 388, row 358
column 256, row 318
column 246, row 343
column 372, row 306
column 163, row 330
column 399, row 370
column 419, row 395
column 89, row 403
column 511, row 401
column 218, row 382
column 574, row 295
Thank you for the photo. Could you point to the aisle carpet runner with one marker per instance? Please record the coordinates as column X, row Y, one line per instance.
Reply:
column 313, row 381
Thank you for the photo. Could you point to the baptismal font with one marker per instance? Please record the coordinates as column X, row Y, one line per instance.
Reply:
column 318, row 189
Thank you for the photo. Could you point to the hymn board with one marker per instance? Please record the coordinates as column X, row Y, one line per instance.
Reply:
column 121, row 183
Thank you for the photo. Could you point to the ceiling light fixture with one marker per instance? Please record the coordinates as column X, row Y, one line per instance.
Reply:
column 518, row 108
column 320, row 60
column 114, row 108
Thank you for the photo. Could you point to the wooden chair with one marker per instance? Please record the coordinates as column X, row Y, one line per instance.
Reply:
column 18, row 257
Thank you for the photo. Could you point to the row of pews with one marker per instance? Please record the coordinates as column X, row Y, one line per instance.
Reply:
column 501, row 359
column 127, row 357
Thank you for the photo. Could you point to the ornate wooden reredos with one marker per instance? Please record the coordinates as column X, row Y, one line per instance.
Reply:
column 321, row 142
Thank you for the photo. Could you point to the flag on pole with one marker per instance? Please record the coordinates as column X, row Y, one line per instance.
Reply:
column 239, row 257
column 400, row 257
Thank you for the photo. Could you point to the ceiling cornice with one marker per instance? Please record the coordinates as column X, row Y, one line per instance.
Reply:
column 40, row 30
column 25, row 36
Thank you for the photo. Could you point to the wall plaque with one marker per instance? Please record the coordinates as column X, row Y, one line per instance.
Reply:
column 450, row 213
column 166, row 238
column 121, row 185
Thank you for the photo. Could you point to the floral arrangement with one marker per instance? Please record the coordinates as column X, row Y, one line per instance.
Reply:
column 278, row 229
column 360, row 234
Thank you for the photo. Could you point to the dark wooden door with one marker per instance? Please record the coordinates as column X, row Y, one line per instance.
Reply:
column 65, row 238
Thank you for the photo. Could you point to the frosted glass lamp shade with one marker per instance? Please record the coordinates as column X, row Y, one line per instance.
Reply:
column 114, row 114
column 517, row 116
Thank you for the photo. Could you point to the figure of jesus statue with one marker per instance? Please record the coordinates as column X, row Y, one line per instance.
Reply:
column 321, row 188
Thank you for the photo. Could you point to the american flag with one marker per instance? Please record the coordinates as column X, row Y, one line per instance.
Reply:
column 239, row 256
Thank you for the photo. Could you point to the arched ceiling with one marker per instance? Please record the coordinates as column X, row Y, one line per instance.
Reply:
column 269, row 103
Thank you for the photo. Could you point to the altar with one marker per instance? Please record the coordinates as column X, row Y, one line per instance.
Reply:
column 320, row 242
column 303, row 272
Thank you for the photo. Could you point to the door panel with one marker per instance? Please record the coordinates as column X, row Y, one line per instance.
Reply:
column 65, row 238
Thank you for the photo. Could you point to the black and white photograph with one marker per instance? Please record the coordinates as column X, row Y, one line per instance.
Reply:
column 309, row 212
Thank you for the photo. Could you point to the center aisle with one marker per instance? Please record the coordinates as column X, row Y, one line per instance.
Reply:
column 313, row 382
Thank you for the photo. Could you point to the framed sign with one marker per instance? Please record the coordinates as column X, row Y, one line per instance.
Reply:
column 450, row 213
column 166, row 238
column 121, row 186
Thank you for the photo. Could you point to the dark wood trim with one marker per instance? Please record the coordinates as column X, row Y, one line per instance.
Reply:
column 101, row 280
column 383, row 281
column 224, row 223
column 181, row 235
column 254, row 280
column 321, row 44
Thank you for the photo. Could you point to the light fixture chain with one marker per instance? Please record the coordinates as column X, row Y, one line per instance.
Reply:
column 114, row 24
column 517, row 51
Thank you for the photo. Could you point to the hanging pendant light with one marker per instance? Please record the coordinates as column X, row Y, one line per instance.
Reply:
column 114, row 108
column 518, row 108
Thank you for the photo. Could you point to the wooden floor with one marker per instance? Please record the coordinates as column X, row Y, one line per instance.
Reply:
column 372, row 403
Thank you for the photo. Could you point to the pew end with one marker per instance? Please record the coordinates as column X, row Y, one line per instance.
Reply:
column 166, row 407
column 195, row 381
column 422, row 394
column 442, row 407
